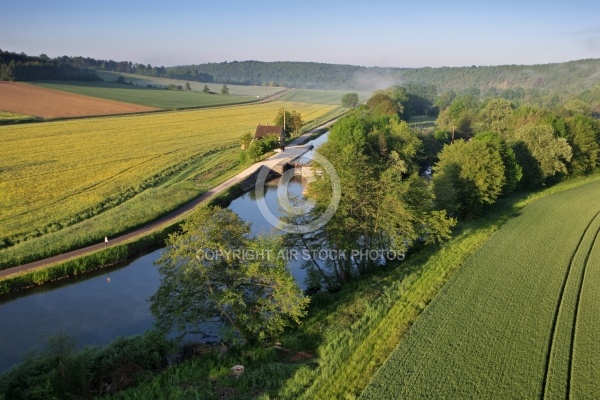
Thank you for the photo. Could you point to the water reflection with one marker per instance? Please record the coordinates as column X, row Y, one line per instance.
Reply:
column 93, row 310
column 97, row 307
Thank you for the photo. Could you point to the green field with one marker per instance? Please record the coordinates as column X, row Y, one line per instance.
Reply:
column 140, row 93
column 234, row 90
column 65, row 184
column 321, row 96
column 150, row 97
column 518, row 320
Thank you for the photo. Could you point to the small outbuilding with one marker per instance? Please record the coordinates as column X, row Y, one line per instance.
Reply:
column 268, row 130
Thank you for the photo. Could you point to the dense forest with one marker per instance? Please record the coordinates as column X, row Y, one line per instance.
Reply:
column 511, row 81
column 573, row 76
column 21, row 67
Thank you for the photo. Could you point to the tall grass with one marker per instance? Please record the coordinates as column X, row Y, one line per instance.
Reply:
column 61, row 372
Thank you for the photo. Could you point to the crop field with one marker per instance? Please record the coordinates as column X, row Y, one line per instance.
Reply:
column 234, row 90
column 57, row 174
column 144, row 96
column 321, row 96
column 518, row 320
column 21, row 98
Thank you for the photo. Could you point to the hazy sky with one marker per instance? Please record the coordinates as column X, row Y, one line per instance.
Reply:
column 369, row 32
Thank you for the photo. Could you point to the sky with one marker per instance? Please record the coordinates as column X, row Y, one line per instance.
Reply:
column 380, row 33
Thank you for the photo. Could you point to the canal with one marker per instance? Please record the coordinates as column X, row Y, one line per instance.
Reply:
column 100, row 306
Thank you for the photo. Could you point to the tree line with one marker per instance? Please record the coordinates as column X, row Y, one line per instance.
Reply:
column 514, row 82
column 21, row 67
column 573, row 76
column 401, row 189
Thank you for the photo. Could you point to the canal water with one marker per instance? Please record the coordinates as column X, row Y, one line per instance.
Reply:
column 100, row 306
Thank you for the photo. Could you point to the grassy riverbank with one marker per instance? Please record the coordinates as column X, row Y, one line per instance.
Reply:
column 114, row 173
column 347, row 335
column 111, row 255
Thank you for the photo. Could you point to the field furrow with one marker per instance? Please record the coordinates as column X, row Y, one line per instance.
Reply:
column 558, row 368
column 585, row 359
column 486, row 334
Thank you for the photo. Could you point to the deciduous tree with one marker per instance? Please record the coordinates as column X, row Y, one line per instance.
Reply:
column 551, row 152
column 245, row 140
column 215, row 277
column 350, row 100
column 383, row 104
column 384, row 204
column 293, row 120
column 512, row 170
column 496, row 116
column 583, row 136
column 468, row 176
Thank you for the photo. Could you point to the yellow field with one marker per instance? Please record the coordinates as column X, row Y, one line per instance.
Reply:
column 55, row 172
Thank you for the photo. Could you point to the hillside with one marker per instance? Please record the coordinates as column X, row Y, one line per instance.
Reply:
column 572, row 76
column 567, row 77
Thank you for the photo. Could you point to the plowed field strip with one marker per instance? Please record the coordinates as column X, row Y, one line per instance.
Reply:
column 27, row 99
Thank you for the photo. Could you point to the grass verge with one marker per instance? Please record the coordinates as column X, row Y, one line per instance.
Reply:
column 347, row 336
column 111, row 255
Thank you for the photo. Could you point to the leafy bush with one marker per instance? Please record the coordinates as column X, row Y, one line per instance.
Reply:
column 62, row 372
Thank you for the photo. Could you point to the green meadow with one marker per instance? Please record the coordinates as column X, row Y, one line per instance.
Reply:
column 144, row 96
column 234, row 90
column 321, row 96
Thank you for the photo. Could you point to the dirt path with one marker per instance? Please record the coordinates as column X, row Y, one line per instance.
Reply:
column 291, row 151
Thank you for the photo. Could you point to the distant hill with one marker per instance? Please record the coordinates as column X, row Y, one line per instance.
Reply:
column 572, row 76
column 567, row 77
